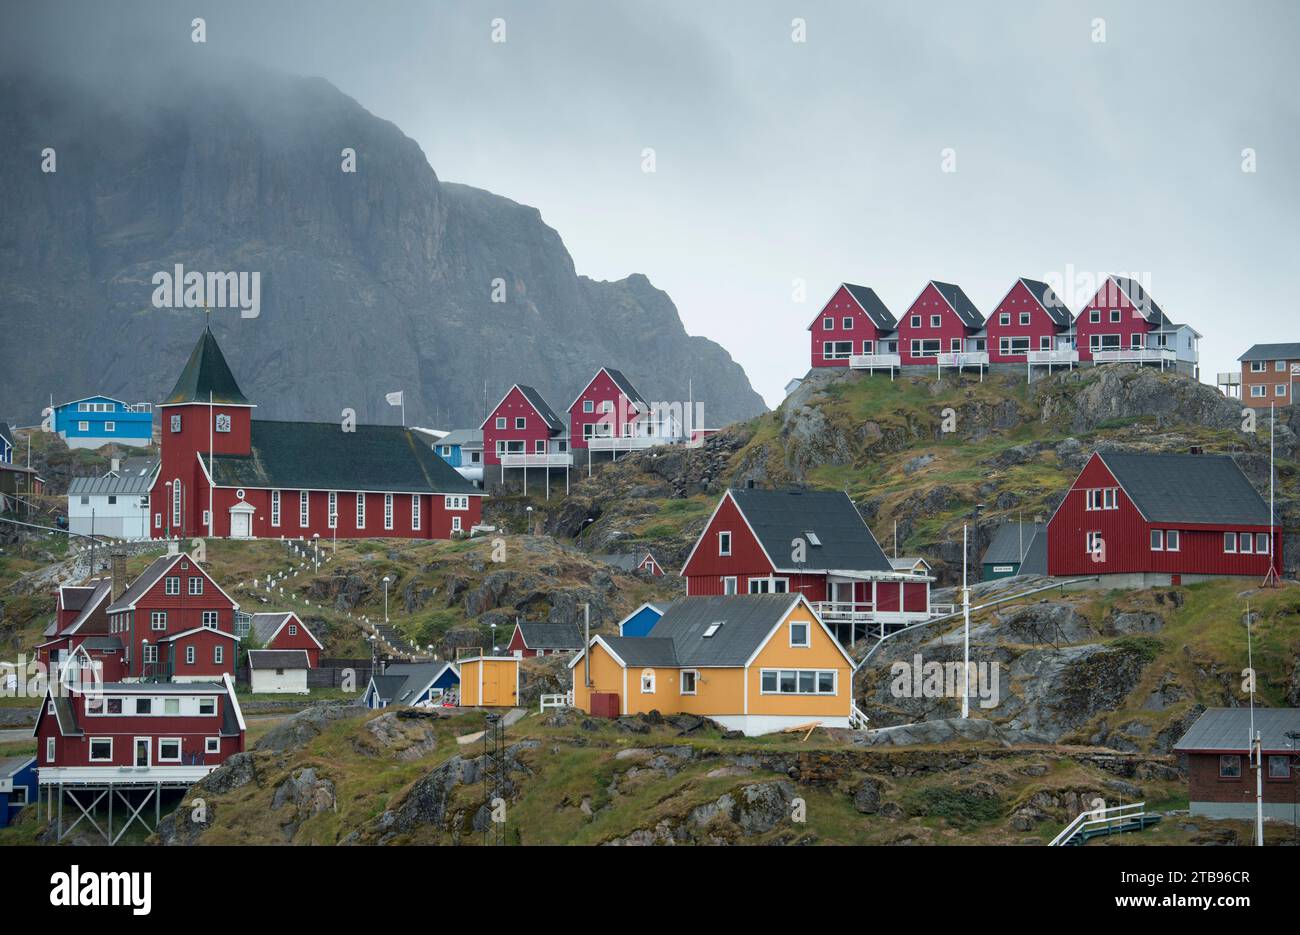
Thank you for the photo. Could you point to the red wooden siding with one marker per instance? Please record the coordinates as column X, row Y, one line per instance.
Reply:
column 951, row 328
column 1109, row 299
column 515, row 405
column 435, row 518
column 706, row 568
column 842, row 305
column 601, row 389
column 1039, row 329
column 301, row 640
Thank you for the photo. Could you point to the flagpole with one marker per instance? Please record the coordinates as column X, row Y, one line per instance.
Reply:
column 211, row 452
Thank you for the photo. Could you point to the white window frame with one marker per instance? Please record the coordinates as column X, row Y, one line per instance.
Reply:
column 1262, row 543
column 189, row 655
column 501, row 422
column 415, row 512
column 90, row 750
column 1173, row 539
column 218, row 655
column 695, row 682
column 211, row 745
column 455, row 524
column 158, row 620
column 275, row 508
column 50, row 749
column 293, row 629
column 588, row 406
column 170, row 759
column 648, row 682
column 816, row 682
column 1004, row 318
column 205, row 702
column 1279, row 389
column 1230, row 543
column 729, row 585
column 521, row 423
column 1258, row 366
column 1091, row 539
column 1259, row 390
column 455, row 502
column 1246, row 543
column 304, row 509
column 195, row 586
column 332, row 514
column 176, row 501
column 828, row 323
column 172, row 585
column 1025, row 318
column 210, row 620
column 361, row 511
column 724, row 543
column 83, row 426
column 847, row 323
column 388, row 511
column 1157, row 540
column 807, row 634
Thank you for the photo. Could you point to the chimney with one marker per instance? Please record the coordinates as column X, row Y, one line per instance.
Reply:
column 116, row 465
column 117, row 562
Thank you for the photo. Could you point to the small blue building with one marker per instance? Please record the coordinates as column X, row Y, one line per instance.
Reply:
column 101, row 420
column 463, row 450
column 411, row 685
column 17, row 786
column 642, row 620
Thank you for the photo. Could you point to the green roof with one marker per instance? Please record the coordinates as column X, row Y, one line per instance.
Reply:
column 206, row 372
column 321, row 456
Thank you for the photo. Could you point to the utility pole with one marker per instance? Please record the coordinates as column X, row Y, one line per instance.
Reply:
column 965, row 607
column 1256, row 749
column 586, row 645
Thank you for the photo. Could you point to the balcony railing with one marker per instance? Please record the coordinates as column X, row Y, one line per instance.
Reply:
column 1064, row 356
column 626, row 443
column 1134, row 355
column 844, row 611
column 872, row 361
column 551, row 459
column 964, row 359
column 109, row 774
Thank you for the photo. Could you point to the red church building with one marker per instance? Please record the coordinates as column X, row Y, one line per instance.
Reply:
column 226, row 474
column 1031, row 326
column 283, row 630
column 811, row 541
column 1160, row 519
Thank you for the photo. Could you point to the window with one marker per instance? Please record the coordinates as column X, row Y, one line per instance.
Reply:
column 1279, row 366
column 388, row 511
column 1157, row 540
column 868, row 347
column 158, row 620
column 929, row 347
column 218, row 654
column 415, row 511
column 1257, row 366
column 1024, row 318
column 828, row 323
column 332, row 517
column 1230, row 542
column 1171, row 540
column 1114, row 315
column 455, row 524
column 361, row 511
column 1259, row 390
column 176, row 502
column 113, row 705
column 797, row 682
column 1230, row 766
column 169, row 749
column 1261, row 543
column 85, row 501
column 837, row 350
column 293, row 629
column 456, row 502
column 196, row 584
column 1004, row 318
column 1135, row 341
column 101, row 750
column 729, row 585
column 689, row 679
column 711, row 630
column 49, row 749
column 648, row 682
column 501, row 422
column 303, row 508
column 211, row 744
column 1278, row 767
column 83, row 426
column 157, row 521
column 799, row 633
column 1245, row 543
column 521, row 422
column 724, row 543
column 275, row 508
column 207, row 706
column 172, row 584
column 189, row 655
column 1094, row 544
column 150, row 655
column 1094, row 316
column 936, row 321
column 1279, row 389
column 445, row 451
column 171, row 706
column 144, row 706
column 210, row 619
column 848, row 323
column 916, row 321
column 110, row 426
column 539, row 445
column 1011, row 346
column 768, row 585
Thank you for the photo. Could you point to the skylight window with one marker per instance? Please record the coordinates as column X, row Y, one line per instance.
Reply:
column 812, row 538
column 712, row 629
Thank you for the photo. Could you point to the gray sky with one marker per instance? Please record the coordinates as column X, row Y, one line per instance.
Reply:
column 821, row 161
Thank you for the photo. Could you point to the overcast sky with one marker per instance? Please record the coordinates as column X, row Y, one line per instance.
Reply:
column 821, row 161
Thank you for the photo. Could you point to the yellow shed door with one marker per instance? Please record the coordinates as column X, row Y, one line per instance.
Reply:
column 491, row 685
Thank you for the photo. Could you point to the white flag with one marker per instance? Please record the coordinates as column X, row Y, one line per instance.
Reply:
column 394, row 399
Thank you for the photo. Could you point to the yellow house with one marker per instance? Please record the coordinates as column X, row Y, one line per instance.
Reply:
column 489, row 681
column 754, row 662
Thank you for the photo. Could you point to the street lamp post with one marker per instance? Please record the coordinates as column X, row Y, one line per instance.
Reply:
column 494, row 630
column 386, row 580
column 315, row 541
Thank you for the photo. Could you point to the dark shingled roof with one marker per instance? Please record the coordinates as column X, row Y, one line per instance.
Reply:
column 876, row 310
column 320, row 456
column 551, row 635
column 278, row 659
column 1046, row 297
column 643, row 650
column 402, row 682
column 264, row 625
column 1178, row 488
column 206, row 372
column 962, row 305
column 387, row 686
column 466, row 438
column 102, row 642
column 1035, row 562
column 124, row 483
column 1141, row 300
column 627, row 561
column 147, row 580
column 625, row 385
column 778, row 516
column 1227, row 730
column 543, row 408
column 746, row 621
column 1007, row 543
column 1263, row 352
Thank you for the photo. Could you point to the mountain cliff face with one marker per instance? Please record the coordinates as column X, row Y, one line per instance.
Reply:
column 371, row 281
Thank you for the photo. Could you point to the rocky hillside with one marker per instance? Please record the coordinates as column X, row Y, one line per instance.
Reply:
column 372, row 281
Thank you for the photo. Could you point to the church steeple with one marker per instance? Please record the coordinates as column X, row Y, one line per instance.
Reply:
column 206, row 372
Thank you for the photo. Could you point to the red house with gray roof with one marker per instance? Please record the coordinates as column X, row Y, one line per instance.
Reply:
column 80, row 632
column 853, row 323
column 522, row 430
column 1162, row 519
column 942, row 321
column 283, row 630
column 1028, row 325
column 1123, row 324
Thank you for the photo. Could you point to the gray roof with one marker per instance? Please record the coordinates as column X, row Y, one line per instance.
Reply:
column 264, row 625
column 779, row 516
column 132, row 479
column 278, row 659
column 963, row 306
column 102, row 642
column 1046, row 297
column 465, row 438
column 151, row 575
column 1227, row 730
column 543, row 408
column 1035, row 562
column 625, row 386
column 162, row 688
column 551, row 635
column 1008, row 540
column 88, row 601
column 1272, row 352
column 12, row 764
column 66, row 715
column 6, row 433
column 746, row 620
column 876, row 310
column 643, row 650
column 402, row 682
column 1141, row 300
column 628, row 561
column 1187, row 488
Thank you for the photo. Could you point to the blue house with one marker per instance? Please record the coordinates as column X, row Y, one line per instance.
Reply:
column 102, row 420
column 17, row 786
column 463, row 450
column 6, row 444
column 411, row 685
column 642, row 620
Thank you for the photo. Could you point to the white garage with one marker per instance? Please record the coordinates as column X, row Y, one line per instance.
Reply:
column 278, row 671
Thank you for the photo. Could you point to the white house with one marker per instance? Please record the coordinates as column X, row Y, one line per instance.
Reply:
column 278, row 671
column 116, row 504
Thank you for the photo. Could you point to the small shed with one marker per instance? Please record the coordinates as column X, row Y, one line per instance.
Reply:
column 1220, row 768
column 17, row 786
column 642, row 620
column 489, row 681
column 278, row 671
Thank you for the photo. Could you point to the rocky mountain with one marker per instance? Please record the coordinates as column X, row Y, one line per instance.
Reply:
column 371, row 281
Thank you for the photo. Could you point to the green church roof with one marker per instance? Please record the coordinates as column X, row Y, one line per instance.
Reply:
column 206, row 372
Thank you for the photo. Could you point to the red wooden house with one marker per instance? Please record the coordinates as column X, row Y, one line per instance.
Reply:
column 856, row 329
column 283, row 630
column 544, row 639
column 943, row 327
column 523, row 432
column 80, row 637
column 633, row 562
column 810, row 541
column 175, row 623
column 225, row 474
column 1031, row 325
column 610, row 416
column 1162, row 519
column 1123, row 324
column 137, row 733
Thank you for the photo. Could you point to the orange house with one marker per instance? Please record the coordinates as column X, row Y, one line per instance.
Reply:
column 754, row 662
